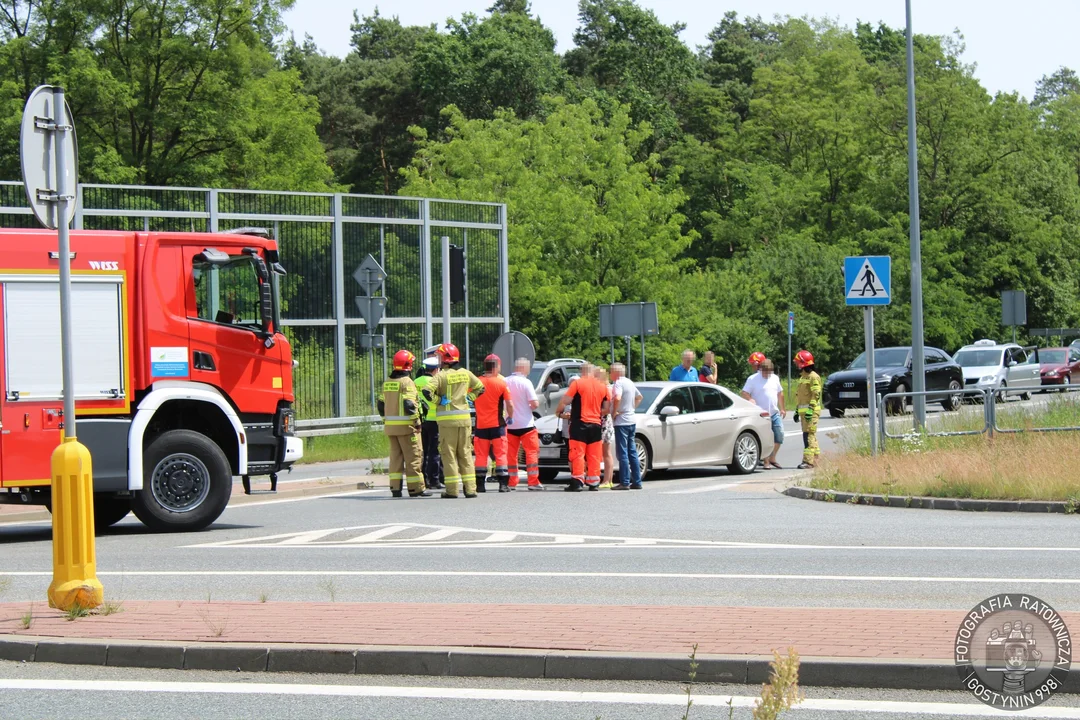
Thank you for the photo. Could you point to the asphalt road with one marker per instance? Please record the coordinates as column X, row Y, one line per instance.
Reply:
column 50, row 691
column 690, row 538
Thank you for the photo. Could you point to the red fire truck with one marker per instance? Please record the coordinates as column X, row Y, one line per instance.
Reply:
column 183, row 378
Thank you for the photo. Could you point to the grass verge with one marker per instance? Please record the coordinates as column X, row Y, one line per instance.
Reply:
column 1020, row 466
column 364, row 443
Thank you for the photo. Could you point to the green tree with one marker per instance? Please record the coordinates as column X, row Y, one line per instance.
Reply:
column 589, row 224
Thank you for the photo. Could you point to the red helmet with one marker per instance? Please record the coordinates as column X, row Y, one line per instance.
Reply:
column 756, row 358
column 803, row 358
column 449, row 353
column 403, row 360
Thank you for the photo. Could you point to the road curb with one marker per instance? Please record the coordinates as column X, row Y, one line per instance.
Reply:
column 929, row 503
column 883, row 673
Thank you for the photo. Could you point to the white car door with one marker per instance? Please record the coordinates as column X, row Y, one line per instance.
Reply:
column 674, row 438
column 1022, row 373
column 714, row 434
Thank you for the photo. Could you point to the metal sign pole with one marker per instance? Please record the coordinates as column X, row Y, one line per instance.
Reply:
column 642, row 306
column 918, row 367
column 790, row 333
column 63, row 125
column 446, row 288
column 871, row 384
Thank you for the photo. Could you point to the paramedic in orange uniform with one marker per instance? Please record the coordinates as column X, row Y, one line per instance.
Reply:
column 588, row 397
column 493, row 407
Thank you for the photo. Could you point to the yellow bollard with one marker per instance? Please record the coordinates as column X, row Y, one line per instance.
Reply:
column 74, row 558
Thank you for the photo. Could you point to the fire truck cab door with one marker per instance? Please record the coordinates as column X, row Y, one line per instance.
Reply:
column 229, row 345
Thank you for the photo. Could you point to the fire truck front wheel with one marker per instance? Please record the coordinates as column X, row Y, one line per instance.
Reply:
column 186, row 482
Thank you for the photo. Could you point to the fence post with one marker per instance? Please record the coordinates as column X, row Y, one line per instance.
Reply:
column 425, row 271
column 78, row 208
column 504, row 271
column 212, row 206
column 337, row 249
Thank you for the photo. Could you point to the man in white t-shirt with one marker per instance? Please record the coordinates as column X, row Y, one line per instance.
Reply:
column 625, row 398
column 763, row 389
column 521, row 429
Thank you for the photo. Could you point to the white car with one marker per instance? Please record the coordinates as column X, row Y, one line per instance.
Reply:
column 991, row 366
column 679, row 424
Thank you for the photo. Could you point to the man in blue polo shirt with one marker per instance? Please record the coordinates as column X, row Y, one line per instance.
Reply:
column 685, row 372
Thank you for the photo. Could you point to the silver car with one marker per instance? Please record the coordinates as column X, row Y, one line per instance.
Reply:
column 551, row 378
column 1001, row 367
column 679, row 424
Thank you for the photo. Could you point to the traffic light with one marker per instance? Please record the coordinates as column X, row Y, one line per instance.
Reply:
column 457, row 274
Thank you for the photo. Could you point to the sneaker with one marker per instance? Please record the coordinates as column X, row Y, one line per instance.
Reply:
column 513, row 488
column 395, row 493
column 606, row 486
column 504, row 488
column 804, row 466
column 575, row 486
column 594, row 488
column 636, row 487
column 620, row 486
column 537, row 487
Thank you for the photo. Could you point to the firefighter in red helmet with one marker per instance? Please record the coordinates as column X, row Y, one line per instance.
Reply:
column 454, row 388
column 399, row 404
column 808, row 406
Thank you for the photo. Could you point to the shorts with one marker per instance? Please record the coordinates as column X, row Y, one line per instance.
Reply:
column 777, row 428
column 607, row 430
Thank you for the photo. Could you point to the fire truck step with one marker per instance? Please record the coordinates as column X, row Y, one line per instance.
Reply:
column 246, row 480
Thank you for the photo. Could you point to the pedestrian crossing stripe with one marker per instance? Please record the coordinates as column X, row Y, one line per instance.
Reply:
column 400, row 535
column 867, row 280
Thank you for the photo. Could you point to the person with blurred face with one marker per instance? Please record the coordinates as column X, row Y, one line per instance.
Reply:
column 521, row 428
column 686, row 372
column 709, row 369
column 607, row 432
column 763, row 389
column 625, row 398
column 586, row 397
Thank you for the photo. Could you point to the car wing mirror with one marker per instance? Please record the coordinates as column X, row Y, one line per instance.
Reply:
column 551, row 388
column 668, row 411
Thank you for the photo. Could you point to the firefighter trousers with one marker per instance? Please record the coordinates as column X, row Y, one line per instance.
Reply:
column 809, row 435
column 455, row 448
column 405, row 455
column 530, row 442
column 431, row 464
column 490, row 441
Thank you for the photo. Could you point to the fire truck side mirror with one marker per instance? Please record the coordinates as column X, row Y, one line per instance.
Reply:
column 266, row 308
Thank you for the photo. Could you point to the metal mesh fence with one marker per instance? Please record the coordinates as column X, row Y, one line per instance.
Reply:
column 322, row 238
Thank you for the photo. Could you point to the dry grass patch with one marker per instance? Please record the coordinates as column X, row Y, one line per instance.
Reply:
column 1007, row 466
column 1036, row 466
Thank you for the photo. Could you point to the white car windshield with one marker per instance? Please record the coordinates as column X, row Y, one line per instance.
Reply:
column 978, row 358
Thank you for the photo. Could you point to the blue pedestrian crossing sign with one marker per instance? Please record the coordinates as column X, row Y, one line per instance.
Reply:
column 868, row 280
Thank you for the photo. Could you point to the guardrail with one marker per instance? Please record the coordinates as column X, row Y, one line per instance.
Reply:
column 988, row 409
column 336, row 426
column 992, row 399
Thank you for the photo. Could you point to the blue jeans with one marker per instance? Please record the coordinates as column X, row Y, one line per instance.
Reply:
column 626, row 455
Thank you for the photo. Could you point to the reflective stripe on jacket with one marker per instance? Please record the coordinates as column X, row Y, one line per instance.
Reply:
column 454, row 388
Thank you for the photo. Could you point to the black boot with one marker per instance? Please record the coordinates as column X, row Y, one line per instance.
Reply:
column 395, row 493
column 575, row 485
column 481, row 483
column 422, row 492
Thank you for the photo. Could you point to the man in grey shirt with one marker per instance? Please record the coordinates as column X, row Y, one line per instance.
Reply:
column 625, row 399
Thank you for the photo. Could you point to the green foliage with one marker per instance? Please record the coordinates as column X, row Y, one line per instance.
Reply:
column 588, row 223
column 174, row 92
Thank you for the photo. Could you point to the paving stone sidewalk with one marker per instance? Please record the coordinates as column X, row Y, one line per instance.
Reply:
column 813, row 632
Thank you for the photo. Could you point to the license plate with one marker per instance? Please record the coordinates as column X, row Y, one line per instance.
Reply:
column 849, row 396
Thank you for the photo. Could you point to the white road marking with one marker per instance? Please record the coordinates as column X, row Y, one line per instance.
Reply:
column 561, row 574
column 374, row 535
column 707, row 488
column 516, row 695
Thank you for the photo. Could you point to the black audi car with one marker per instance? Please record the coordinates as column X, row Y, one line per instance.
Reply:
column 892, row 374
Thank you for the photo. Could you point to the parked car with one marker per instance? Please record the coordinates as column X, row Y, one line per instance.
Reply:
column 679, row 424
column 998, row 366
column 846, row 389
column 551, row 378
column 1057, row 366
